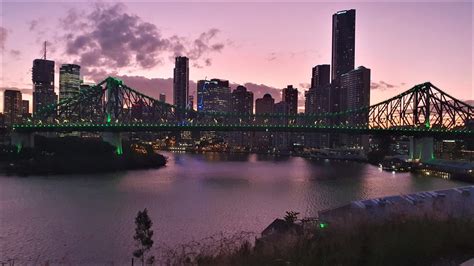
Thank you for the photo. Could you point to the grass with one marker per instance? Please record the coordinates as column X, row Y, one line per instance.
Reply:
column 412, row 242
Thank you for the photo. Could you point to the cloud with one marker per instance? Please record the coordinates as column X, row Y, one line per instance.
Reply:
column 3, row 37
column 154, row 86
column 15, row 53
column 470, row 102
column 382, row 85
column 271, row 57
column 305, row 85
column 112, row 39
column 33, row 24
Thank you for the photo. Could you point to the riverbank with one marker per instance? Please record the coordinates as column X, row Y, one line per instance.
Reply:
column 424, row 228
column 71, row 155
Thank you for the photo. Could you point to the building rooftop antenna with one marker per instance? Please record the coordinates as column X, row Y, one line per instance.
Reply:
column 44, row 50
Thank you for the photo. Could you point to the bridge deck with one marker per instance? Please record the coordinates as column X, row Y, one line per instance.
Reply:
column 119, row 127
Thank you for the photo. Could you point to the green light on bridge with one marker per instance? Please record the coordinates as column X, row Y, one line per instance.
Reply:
column 109, row 118
column 323, row 225
column 119, row 150
column 18, row 148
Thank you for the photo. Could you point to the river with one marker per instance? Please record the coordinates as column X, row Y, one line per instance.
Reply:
column 89, row 219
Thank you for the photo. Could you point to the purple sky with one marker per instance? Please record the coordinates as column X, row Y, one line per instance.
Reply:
column 274, row 44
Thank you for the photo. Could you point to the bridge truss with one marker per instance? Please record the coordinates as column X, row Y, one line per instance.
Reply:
column 113, row 106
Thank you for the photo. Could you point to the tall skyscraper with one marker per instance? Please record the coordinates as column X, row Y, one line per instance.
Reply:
column 181, row 82
column 343, row 42
column 43, row 84
column 264, row 105
column 343, row 58
column 290, row 97
column 25, row 107
column 213, row 95
column 317, row 97
column 320, row 76
column 242, row 101
column 191, row 102
column 69, row 81
column 355, row 85
column 12, row 107
column 317, row 101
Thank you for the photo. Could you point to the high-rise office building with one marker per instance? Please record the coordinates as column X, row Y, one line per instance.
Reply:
column 69, row 81
column 280, row 140
column 320, row 76
column 25, row 107
column 263, row 140
column 12, row 107
column 290, row 97
column 191, row 102
column 342, row 60
column 242, row 101
column 355, row 85
column 317, row 97
column 343, row 42
column 181, row 82
column 213, row 95
column 2, row 119
column 317, row 101
column 43, row 84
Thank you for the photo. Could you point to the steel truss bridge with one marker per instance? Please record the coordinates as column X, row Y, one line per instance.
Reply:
column 112, row 106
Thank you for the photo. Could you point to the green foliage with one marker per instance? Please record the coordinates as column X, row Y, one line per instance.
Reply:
column 76, row 155
column 291, row 217
column 73, row 146
column 143, row 236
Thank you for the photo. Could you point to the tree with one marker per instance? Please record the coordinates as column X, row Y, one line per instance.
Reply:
column 143, row 236
column 291, row 217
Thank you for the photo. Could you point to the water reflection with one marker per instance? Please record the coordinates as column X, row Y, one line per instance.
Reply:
column 90, row 218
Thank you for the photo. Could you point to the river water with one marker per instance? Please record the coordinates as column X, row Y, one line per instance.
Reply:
column 89, row 219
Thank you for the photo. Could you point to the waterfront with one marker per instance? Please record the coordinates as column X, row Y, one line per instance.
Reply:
column 89, row 218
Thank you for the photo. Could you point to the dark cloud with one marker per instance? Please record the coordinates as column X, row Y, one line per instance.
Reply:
column 33, row 24
column 111, row 38
column 382, row 85
column 470, row 102
column 203, row 45
column 3, row 37
column 15, row 53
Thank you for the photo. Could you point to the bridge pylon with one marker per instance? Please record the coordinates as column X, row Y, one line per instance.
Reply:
column 114, row 139
column 421, row 149
column 22, row 140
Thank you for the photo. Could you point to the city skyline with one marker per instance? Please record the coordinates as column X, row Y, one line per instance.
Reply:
column 220, row 43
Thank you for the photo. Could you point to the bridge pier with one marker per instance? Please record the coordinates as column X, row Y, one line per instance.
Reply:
column 114, row 139
column 22, row 140
column 421, row 149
